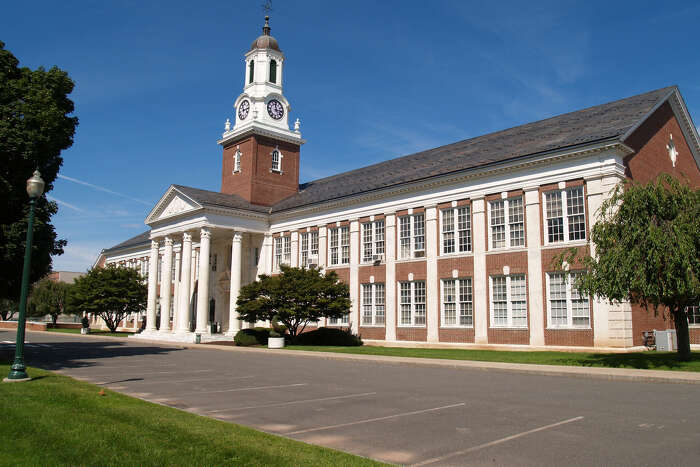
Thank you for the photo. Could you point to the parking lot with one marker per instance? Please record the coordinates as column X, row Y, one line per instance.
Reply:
column 397, row 413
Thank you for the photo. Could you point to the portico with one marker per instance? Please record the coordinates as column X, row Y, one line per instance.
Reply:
column 201, row 253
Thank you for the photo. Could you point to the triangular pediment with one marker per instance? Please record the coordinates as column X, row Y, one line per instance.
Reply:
column 172, row 204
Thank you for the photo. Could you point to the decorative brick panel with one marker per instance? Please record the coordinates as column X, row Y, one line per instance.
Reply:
column 460, row 335
column 374, row 333
column 412, row 334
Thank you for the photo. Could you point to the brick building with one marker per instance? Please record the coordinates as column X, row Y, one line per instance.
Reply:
column 450, row 245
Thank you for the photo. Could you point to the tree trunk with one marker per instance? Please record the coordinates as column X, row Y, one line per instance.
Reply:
column 54, row 318
column 680, row 319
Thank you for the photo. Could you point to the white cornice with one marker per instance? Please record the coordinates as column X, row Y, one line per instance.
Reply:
column 261, row 129
column 170, row 194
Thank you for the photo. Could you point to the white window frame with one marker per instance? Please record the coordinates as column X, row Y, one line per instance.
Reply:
column 282, row 251
column 417, row 319
column 565, row 195
column 373, row 238
column 456, row 231
column 461, row 306
column 570, row 297
column 308, row 246
column 412, row 236
column 340, row 236
column 344, row 320
column 237, row 161
column 277, row 169
column 509, row 302
column 507, row 223
column 373, row 299
column 693, row 313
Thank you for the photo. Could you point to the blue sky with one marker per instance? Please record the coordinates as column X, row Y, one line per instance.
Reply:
column 155, row 82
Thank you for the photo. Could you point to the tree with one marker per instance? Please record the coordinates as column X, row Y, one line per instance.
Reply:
column 35, row 127
column 110, row 293
column 48, row 298
column 647, row 251
column 297, row 296
column 8, row 308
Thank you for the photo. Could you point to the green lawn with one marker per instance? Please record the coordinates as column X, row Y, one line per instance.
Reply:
column 95, row 332
column 641, row 360
column 56, row 420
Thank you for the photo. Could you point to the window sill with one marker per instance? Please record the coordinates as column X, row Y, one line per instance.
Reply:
column 450, row 326
column 372, row 325
column 509, row 328
column 459, row 254
column 568, row 328
column 515, row 249
column 570, row 244
column 276, row 171
column 338, row 266
column 411, row 260
column 371, row 263
column 411, row 326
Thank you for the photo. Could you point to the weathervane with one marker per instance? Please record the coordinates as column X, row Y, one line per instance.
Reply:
column 267, row 7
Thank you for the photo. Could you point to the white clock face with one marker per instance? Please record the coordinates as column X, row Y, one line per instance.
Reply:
column 243, row 110
column 275, row 109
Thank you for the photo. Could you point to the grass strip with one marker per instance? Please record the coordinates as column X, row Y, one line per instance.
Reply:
column 56, row 420
column 639, row 360
column 96, row 332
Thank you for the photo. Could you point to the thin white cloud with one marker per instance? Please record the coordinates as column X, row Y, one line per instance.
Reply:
column 63, row 203
column 106, row 190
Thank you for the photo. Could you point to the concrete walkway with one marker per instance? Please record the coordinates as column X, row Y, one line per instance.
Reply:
column 620, row 374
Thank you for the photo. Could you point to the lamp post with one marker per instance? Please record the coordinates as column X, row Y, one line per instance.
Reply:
column 18, row 371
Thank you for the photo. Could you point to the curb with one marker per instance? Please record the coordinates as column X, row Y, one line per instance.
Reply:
column 616, row 374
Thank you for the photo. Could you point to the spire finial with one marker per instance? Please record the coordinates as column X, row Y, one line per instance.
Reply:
column 266, row 28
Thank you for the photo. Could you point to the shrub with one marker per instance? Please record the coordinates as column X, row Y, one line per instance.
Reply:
column 329, row 336
column 254, row 336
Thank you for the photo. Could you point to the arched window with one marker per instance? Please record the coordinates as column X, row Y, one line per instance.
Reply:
column 276, row 160
column 273, row 71
column 237, row 160
column 252, row 71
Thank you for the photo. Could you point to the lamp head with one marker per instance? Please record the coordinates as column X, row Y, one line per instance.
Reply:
column 35, row 185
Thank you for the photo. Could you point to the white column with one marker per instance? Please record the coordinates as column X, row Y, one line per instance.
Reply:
column 431, row 245
column 266, row 257
column 166, row 285
column 390, row 286
column 236, row 257
column 183, row 320
column 176, row 293
column 534, row 266
column 322, row 257
column 354, row 276
column 152, row 287
column 480, row 317
column 203, row 287
column 295, row 249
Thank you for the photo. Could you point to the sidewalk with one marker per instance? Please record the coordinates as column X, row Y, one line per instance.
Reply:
column 621, row 374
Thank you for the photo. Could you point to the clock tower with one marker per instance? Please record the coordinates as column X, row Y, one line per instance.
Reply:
column 260, row 152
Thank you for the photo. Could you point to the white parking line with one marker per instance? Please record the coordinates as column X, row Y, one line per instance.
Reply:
column 498, row 441
column 406, row 414
column 242, row 389
column 141, row 382
column 348, row 396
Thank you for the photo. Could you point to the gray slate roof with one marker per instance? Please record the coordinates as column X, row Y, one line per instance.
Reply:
column 602, row 122
column 222, row 200
column 140, row 239
column 583, row 126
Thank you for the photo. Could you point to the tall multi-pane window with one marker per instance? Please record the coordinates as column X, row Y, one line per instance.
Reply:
column 567, row 307
column 339, row 245
column 372, row 240
column 507, row 222
column 251, row 72
column 456, row 230
column 345, row 319
column 273, row 71
column 276, row 160
column 237, row 161
column 283, row 251
column 412, row 236
column 457, row 307
column 508, row 301
column 309, row 247
column 412, row 303
column 693, row 314
column 565, row 224
column 373, row 304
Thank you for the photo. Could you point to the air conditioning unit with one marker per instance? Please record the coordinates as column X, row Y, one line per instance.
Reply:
column 312, row 261
column 666, row 340
column 419, row 254
column 377, row 259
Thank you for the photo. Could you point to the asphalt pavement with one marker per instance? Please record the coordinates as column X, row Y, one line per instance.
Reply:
column 398, row 413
